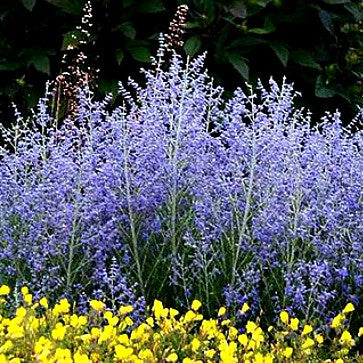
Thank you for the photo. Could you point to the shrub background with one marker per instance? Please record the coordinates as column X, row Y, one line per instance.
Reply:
column 316, row 44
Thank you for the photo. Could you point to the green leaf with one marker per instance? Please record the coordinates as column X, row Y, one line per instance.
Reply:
column 239, row 63
column 268, row 27
column 29, row 4
column 321, row 89
column 354, row 10
column 337, row 1
column 71, row 38
column 148, row 6
column 127, row 29
column 327, row 20
column 41, row 63
column 305, row 58
column 281, row 52
column 141, row 54
column 192, row 45
column 119, row 55
column 9, row 65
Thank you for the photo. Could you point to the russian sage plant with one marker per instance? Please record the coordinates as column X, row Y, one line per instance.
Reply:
column 179, row 194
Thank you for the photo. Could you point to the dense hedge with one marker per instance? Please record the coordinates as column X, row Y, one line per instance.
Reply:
column 316, row 44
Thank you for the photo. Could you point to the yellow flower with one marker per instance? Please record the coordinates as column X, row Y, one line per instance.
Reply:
column 245, row 308
column 348, row 308
column 97, row 305
column 222, row 311
column 339, row 360
column 158, row 309
column 346, row 338
column 129, row 321
column 173, row 313
column 294, row 324
column 337, row 321
column 319, row 338
column 146, row 354
column 232, row 333
column 196, row 304
column 15, row 360
column 173, row 357
column 284, row 316
column 124, row 339
column 15, row 331
column 307, row 329
column 189, row 316
column 195, row 344
column 44, row 302
column 243, row 339
column 6, row 346
column 121, row 352
column 360, row 333
column 81, row 358
column 59, row 331
column 126, row 309
column 251, row 327
column 150, row 321
column 95, row 332
column 108, row 333
column 28, row 298
column 287, row 353
column 112, row 320
column 24, row 290
column 4, row 290
column 259, row 358
column 209, row 353
column 82, row 320
column 307, row 343
column 61, row 308
column 63, row 355
column 20, row 312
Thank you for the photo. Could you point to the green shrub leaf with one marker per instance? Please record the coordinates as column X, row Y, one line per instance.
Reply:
column 305, row 58
column 141, row 54
column 321, row 89
column 239, row 63
column 41, row 63
column 192, row 45
column 281, row 52
column 127, row 29
column 119, row 56
column 29, row 4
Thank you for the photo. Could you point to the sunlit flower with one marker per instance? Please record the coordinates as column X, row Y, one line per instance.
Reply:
column 196, row 304
column 287, row 353
column 97, row 305
column 284, row 316
column 348, row 308
column 4, row 290
column 346, row 338
column 307, row 329
column 245, row 308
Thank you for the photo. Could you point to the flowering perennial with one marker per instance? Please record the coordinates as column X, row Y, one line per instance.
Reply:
column 35, row 332
column 179, row 193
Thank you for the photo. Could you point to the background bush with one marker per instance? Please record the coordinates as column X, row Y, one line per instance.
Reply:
column 316, row 44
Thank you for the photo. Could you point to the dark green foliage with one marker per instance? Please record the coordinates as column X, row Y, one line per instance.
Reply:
column 315, row 43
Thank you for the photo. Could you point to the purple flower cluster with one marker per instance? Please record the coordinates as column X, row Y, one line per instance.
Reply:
column 179, row 194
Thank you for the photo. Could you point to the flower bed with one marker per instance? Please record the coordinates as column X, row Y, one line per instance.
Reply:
column 36, row 332
column 180, row 194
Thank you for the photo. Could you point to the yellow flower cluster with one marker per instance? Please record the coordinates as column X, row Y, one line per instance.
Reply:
column 37, row 333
